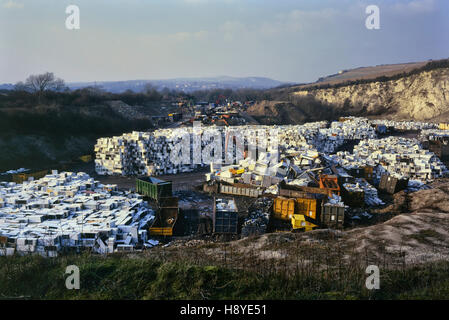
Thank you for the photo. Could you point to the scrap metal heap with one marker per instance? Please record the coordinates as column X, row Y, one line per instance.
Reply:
column 406, row 125
column 312, row 180
column 258, row 218
column 70, row 211
column 434, row 135
column 396, row 155
column 302, row 160
column 150, row 153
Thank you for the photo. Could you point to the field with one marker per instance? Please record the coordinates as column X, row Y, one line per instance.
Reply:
column 411, row 250
column 148, row 277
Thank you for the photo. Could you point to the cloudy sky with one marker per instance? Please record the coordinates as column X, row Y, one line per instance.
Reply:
column 287, row 40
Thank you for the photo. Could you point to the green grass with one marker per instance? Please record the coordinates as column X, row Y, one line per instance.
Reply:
column 140, row 277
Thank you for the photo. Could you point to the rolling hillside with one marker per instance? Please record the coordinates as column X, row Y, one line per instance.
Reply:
column 421, row 93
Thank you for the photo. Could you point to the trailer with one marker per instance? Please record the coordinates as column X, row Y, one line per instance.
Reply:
column 188, row 222
column 166, row 217
column 296, row 190
column 153, row 188
column 240, row 191
column 287, row 193
column 365, row 172
column 283, row 208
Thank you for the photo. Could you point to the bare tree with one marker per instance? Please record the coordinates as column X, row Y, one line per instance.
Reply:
column 40, row 83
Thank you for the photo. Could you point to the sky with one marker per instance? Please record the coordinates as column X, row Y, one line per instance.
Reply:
column 295, row 41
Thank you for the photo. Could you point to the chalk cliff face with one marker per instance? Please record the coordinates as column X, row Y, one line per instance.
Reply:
column 423, row 96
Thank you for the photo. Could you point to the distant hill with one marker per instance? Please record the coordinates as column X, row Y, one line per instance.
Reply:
column 408, row 91
column 372, row 72
column 6, row 86
column 183, row 84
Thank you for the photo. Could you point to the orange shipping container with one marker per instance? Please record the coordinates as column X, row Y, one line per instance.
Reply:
column 284, row 208
column 307, row 207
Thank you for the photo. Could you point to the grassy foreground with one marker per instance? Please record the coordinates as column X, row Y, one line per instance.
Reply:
column 137, row 277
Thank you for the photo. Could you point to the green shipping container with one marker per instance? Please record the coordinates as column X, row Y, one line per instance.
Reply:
column 153, row 188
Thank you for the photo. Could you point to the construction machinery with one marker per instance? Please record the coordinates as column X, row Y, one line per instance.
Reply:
column 330, row 183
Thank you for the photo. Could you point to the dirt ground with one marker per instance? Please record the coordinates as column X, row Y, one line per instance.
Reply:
column 413, row 228
column 416, row 231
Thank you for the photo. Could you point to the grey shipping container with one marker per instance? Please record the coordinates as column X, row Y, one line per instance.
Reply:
column 332, row 216
column 226, row 218
column 391, row 184
column 239, row 191
column 187, row 223
column 226, row 222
